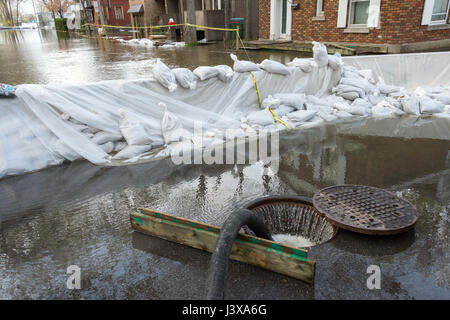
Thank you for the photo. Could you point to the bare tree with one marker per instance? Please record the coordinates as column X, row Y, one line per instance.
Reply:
column 18, row 2
column 56, row 7
column 5, row 11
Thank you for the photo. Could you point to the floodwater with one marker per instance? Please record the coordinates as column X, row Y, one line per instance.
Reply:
column 40, row 57
column 78, row 213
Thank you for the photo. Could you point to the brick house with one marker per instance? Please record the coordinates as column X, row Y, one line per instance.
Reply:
column 385, row 25
column 114, row 12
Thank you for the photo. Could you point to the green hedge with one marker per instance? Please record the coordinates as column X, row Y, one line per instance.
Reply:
column 61, row 24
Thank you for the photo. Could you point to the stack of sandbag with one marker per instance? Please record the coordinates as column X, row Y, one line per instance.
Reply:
column 354, row 85
column 137, row 139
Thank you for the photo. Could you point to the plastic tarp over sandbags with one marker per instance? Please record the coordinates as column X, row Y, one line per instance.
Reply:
column 52, row 124
column 407, row 70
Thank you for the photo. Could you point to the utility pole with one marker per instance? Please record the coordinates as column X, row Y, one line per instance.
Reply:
column 227, row 18
column 191, row 34
column 248, row 10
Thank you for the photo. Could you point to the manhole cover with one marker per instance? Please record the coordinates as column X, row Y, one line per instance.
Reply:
column 365, row 209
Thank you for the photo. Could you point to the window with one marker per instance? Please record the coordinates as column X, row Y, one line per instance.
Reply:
column 359, row 12
column 218, row 4
column 119, row 12
column 105, row 12
column 319, row 9
column 440, row 11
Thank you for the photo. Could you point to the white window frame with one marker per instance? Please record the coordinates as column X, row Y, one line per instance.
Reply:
column 319, row 11
column 219, row 5
column 353, row 25
column 440, row 21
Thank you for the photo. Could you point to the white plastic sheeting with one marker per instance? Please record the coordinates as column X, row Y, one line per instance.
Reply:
column 407, row 70
column 35, row 133
column 45, row 125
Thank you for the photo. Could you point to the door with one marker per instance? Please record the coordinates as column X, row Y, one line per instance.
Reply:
column 280, row 20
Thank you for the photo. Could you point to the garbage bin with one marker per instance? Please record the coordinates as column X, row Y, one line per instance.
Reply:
column 234, row 22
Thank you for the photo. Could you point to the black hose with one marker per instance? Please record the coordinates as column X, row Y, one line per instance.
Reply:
column 218, row 265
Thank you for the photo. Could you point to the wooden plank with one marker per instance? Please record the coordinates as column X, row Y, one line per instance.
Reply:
column 256, row 251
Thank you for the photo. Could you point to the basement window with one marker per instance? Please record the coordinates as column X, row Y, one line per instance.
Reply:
column 440, row 12
column 359, row 13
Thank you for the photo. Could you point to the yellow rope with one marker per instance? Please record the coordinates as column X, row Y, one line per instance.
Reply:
column 278, row 119
column 257, row 90
column 209, row 28
column 163, row 26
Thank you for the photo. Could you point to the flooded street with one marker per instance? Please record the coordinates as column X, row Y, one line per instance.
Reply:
column 30, row 56
column 78, row 213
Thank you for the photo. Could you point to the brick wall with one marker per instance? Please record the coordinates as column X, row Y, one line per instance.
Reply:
column 400, row 22
column 111, row 19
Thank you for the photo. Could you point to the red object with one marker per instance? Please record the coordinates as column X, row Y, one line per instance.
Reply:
column 171, row 23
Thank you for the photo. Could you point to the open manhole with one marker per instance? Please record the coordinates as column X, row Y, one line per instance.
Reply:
column 365, row 209
column 293, row 220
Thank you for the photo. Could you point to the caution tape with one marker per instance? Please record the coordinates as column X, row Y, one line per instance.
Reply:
column 257, row 90
column 278, row 119
column 162, row 26
column 209, row 28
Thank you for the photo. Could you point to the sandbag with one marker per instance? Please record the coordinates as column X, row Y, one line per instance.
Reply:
column 296, row 100
column 274, row 67
column 133, row 131
column 428, row 105
column 205, row 73
column 172, row 129
column 282, row 110
column 411, row 105
column 362, row 103
column 119, row 145
column 225, row 73
column 303, row 64
column 442, row 97
column 381, row 111
column 335, row 61
column 107, row 147
column 131, row 151
column 328, row 117
column 164, row 75
column 355, row 110
column 352, row 95
column 270, row 102
column 103, row 137
column 320, row 54
column 344, row 115
column 359, row 83
column 301, row 115
column 387, row 89
column 243, row 66
column 261, row 117
column 185, row 78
